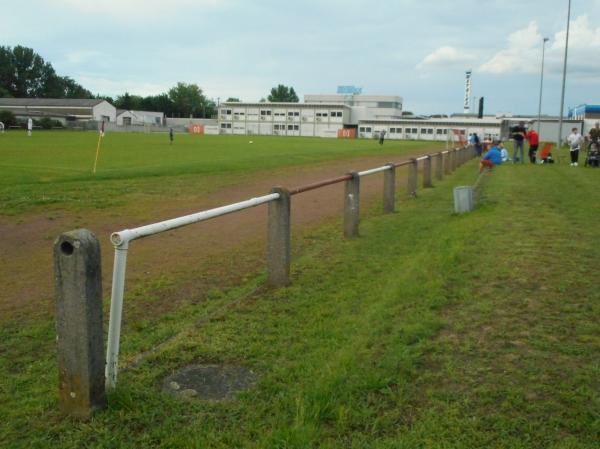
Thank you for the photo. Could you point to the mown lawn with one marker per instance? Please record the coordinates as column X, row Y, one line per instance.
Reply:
column 54, row 168
column 431, row 330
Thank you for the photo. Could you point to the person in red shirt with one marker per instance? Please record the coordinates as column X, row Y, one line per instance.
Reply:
column 534, row 140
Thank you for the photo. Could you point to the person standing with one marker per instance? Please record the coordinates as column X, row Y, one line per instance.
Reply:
column 575, row 139
column 2, row 127
column 170, row 136
column 477, row 145
column 518, row 135
column 29, row 126
column 534, row 141
column 381, row 137
column 595, row 133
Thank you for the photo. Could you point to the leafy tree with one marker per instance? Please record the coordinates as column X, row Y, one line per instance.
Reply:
column 25, row 74
column 283, row 93
column 233, row 100
column 188, row 100
column 129, row 102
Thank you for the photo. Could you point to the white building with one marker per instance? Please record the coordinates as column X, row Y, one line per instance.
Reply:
column 363, row 107
column 430, row 129
column 61, row 109
column 283, row 119
column 129, row 118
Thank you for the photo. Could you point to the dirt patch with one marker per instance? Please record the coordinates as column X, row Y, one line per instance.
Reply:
column 209, row 382
column 26, row 244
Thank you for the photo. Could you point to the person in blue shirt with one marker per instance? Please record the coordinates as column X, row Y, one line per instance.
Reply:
column 492, row 157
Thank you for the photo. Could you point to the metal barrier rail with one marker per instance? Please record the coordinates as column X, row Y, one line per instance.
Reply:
column 280, row 229
column 121, row 241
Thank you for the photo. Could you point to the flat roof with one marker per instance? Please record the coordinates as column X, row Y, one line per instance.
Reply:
column 50, row 102
column 288, row 105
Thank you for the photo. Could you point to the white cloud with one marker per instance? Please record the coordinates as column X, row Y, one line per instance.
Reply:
column 523, row 51
column 519, row 56
column 108, row 86
column 446, row 56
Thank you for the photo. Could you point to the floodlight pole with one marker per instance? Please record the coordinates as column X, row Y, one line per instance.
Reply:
column 541, row 84
column 562, row 96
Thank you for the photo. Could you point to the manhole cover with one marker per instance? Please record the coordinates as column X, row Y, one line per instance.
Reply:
column 212, row 382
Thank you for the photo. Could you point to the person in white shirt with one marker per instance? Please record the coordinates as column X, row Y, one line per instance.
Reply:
column 575, row 140
column 503, row 152
column 29, row 126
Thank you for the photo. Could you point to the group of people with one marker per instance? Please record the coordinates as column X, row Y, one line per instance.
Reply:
column 497, row 154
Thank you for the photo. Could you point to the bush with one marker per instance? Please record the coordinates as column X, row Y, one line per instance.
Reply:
column 44, row 123
column 8, row 118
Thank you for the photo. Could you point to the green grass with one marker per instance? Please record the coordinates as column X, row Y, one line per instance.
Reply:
column 54, row 168
column 429, row 331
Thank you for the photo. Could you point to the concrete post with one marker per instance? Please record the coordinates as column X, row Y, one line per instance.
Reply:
column 279, row 239
column 447, row 165
column 463, row 199
column 352, row 206
column 412, row 178
column 453, row 160
column 389, row 189
column 427, row 172
column 78, row 293
column 439, row 166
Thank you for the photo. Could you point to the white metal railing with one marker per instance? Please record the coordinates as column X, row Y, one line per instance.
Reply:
column 375, row 170
column 121, row 240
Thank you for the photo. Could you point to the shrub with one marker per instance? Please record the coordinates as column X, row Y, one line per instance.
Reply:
column 8, row 118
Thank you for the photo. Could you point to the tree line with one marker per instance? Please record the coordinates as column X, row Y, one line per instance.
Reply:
column 25, row 74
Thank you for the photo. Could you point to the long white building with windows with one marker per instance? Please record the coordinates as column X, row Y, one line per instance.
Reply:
column 349, row 115
column 283, row 119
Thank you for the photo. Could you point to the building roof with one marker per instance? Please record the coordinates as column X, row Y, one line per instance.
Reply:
column 50, row 102
column 267, row 104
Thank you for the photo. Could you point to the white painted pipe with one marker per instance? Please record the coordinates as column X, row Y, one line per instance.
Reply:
column 374, row 170
column 127, row 235
column 422, row 158
column 121, row 241
column 116, row 311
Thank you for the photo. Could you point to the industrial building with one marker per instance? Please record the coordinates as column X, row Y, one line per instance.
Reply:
column 137, row 118
column 67, row 109
column 325, row 115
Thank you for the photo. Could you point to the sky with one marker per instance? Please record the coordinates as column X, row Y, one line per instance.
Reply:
column 416, row 49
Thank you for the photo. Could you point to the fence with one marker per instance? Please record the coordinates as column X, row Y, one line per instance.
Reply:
column 279, row 228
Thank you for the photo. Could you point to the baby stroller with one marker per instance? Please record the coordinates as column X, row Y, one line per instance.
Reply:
column 593, row 155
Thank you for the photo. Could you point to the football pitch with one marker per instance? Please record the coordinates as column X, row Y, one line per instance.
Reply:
column 55, row 167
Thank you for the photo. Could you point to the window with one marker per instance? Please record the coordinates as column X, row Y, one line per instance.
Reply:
column 279, row 114
column 361, row 129
column 408, row 131
column 423, row 131
column 414, row 130
column 429, row 130
column 293, row 128
column 293, row 113
column 336, row 113
column 265, row 112
column 368, row 129
column 439, row 131
column 225, row 125
column 321, row 114
column 225, row 111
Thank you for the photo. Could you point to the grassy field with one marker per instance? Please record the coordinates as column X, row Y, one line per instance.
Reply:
column 429, row 331
column 54, row 169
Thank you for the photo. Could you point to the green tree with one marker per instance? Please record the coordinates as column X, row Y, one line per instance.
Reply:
column 283, row 93
column 188, row 100
column 233, row 100
column 25, row 74
column 129, row 102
